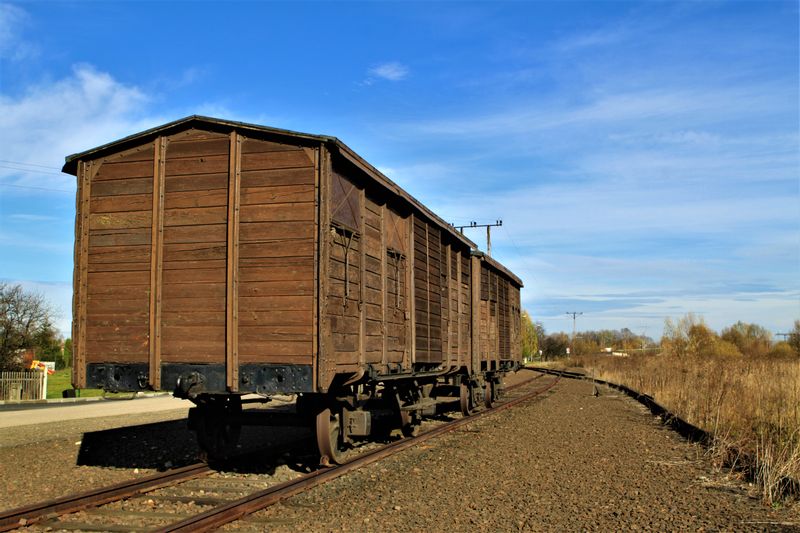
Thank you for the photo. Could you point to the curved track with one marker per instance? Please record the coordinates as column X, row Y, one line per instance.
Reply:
column 219, row 516
column 233, row 510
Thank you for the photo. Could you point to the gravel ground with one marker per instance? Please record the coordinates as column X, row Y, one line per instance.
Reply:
column 43, row 461
column 569, row 461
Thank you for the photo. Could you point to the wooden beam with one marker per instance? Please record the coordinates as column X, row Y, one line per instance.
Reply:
column 459, row 336
column 232, row 281
column 156, row 262
column 76, row 279
column 362, row 262
column 428, row 285
column 411, row 319
column 384, row 286
column 449, row 279
column 315, row 319
column 475, row 277
column 327, row 364
column 85, row 173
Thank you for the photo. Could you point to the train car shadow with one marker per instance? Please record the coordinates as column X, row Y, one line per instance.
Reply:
column 170, row 444
column 159, row 445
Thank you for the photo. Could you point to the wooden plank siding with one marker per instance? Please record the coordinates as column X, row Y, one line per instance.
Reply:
column 345, row 297
column 396, row 260
column 456, row 305
column 276, row 253
column 427, row 293
column 226, row 244
column 498, row 316
column 116, row 258
column 374, row 289
column 194, row 279
column 366, row 295
column 196, row 248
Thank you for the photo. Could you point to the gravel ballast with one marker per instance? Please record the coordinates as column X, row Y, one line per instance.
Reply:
column 565, row 461
column 568, row 461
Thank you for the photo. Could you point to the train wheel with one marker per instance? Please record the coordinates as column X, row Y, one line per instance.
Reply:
column 329, row 437
column 465, row 397
column 218, row 434
column 489, row 395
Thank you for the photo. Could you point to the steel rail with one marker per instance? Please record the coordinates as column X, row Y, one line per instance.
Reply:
column 30, row 514
column 223, row 514
column 48, row 509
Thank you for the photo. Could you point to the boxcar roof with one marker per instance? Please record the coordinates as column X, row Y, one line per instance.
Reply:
column 71, row 164
column 499, row 267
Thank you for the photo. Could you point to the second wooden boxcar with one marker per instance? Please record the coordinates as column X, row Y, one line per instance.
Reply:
column 215, row 258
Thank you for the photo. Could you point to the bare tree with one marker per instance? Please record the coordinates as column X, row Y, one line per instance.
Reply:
column 25, row 322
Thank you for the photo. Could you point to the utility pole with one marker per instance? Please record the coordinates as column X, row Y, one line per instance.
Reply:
column 784, row 335
column 575, row 314
column 644, row 336
column 488, row 227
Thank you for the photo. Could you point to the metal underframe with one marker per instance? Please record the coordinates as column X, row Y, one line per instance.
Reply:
column 186, row 379
column 191, row 379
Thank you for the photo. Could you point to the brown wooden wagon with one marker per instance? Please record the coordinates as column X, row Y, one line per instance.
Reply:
column 216, row 259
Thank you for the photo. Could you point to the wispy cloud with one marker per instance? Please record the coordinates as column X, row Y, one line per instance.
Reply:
column 27, row 217
column 12, row 20
column 391, row 71
column 631, row 193
column 50, row 120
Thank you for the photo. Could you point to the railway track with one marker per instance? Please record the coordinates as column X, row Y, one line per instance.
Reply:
column 31, row 514
column 97, row 515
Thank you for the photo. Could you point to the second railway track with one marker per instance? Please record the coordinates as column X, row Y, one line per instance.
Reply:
column 220, row 498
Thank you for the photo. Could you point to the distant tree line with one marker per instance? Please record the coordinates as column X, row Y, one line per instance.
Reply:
column 688, row 336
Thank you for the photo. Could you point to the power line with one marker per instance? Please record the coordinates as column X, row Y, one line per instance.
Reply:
column 31, row 170
column 28, row 164
column 35, row 188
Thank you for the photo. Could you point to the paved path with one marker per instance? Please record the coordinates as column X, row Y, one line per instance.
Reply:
column 76, row 411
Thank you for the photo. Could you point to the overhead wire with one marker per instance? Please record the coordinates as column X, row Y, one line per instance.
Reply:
column 28, row 164
column 37, row 171
column 32, row 187
column 517, row 250
column 18, row 164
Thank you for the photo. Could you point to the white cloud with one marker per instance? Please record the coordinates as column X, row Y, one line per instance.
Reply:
column 12, row 20
column 40, row 125
column 27, row 217
column 648, row 110
column 51, row 120
column 392, row 71
column 597, row 38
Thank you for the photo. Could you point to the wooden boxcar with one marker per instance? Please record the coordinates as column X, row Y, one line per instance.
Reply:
column 215, row 258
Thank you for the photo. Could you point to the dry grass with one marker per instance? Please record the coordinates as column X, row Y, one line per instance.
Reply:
column 751, row 409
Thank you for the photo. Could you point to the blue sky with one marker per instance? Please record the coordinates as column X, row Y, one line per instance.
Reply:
column 643, row 156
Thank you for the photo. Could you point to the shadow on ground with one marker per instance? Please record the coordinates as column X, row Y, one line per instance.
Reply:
column 165, row 445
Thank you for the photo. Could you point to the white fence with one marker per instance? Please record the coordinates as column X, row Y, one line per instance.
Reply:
column 28, row 385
